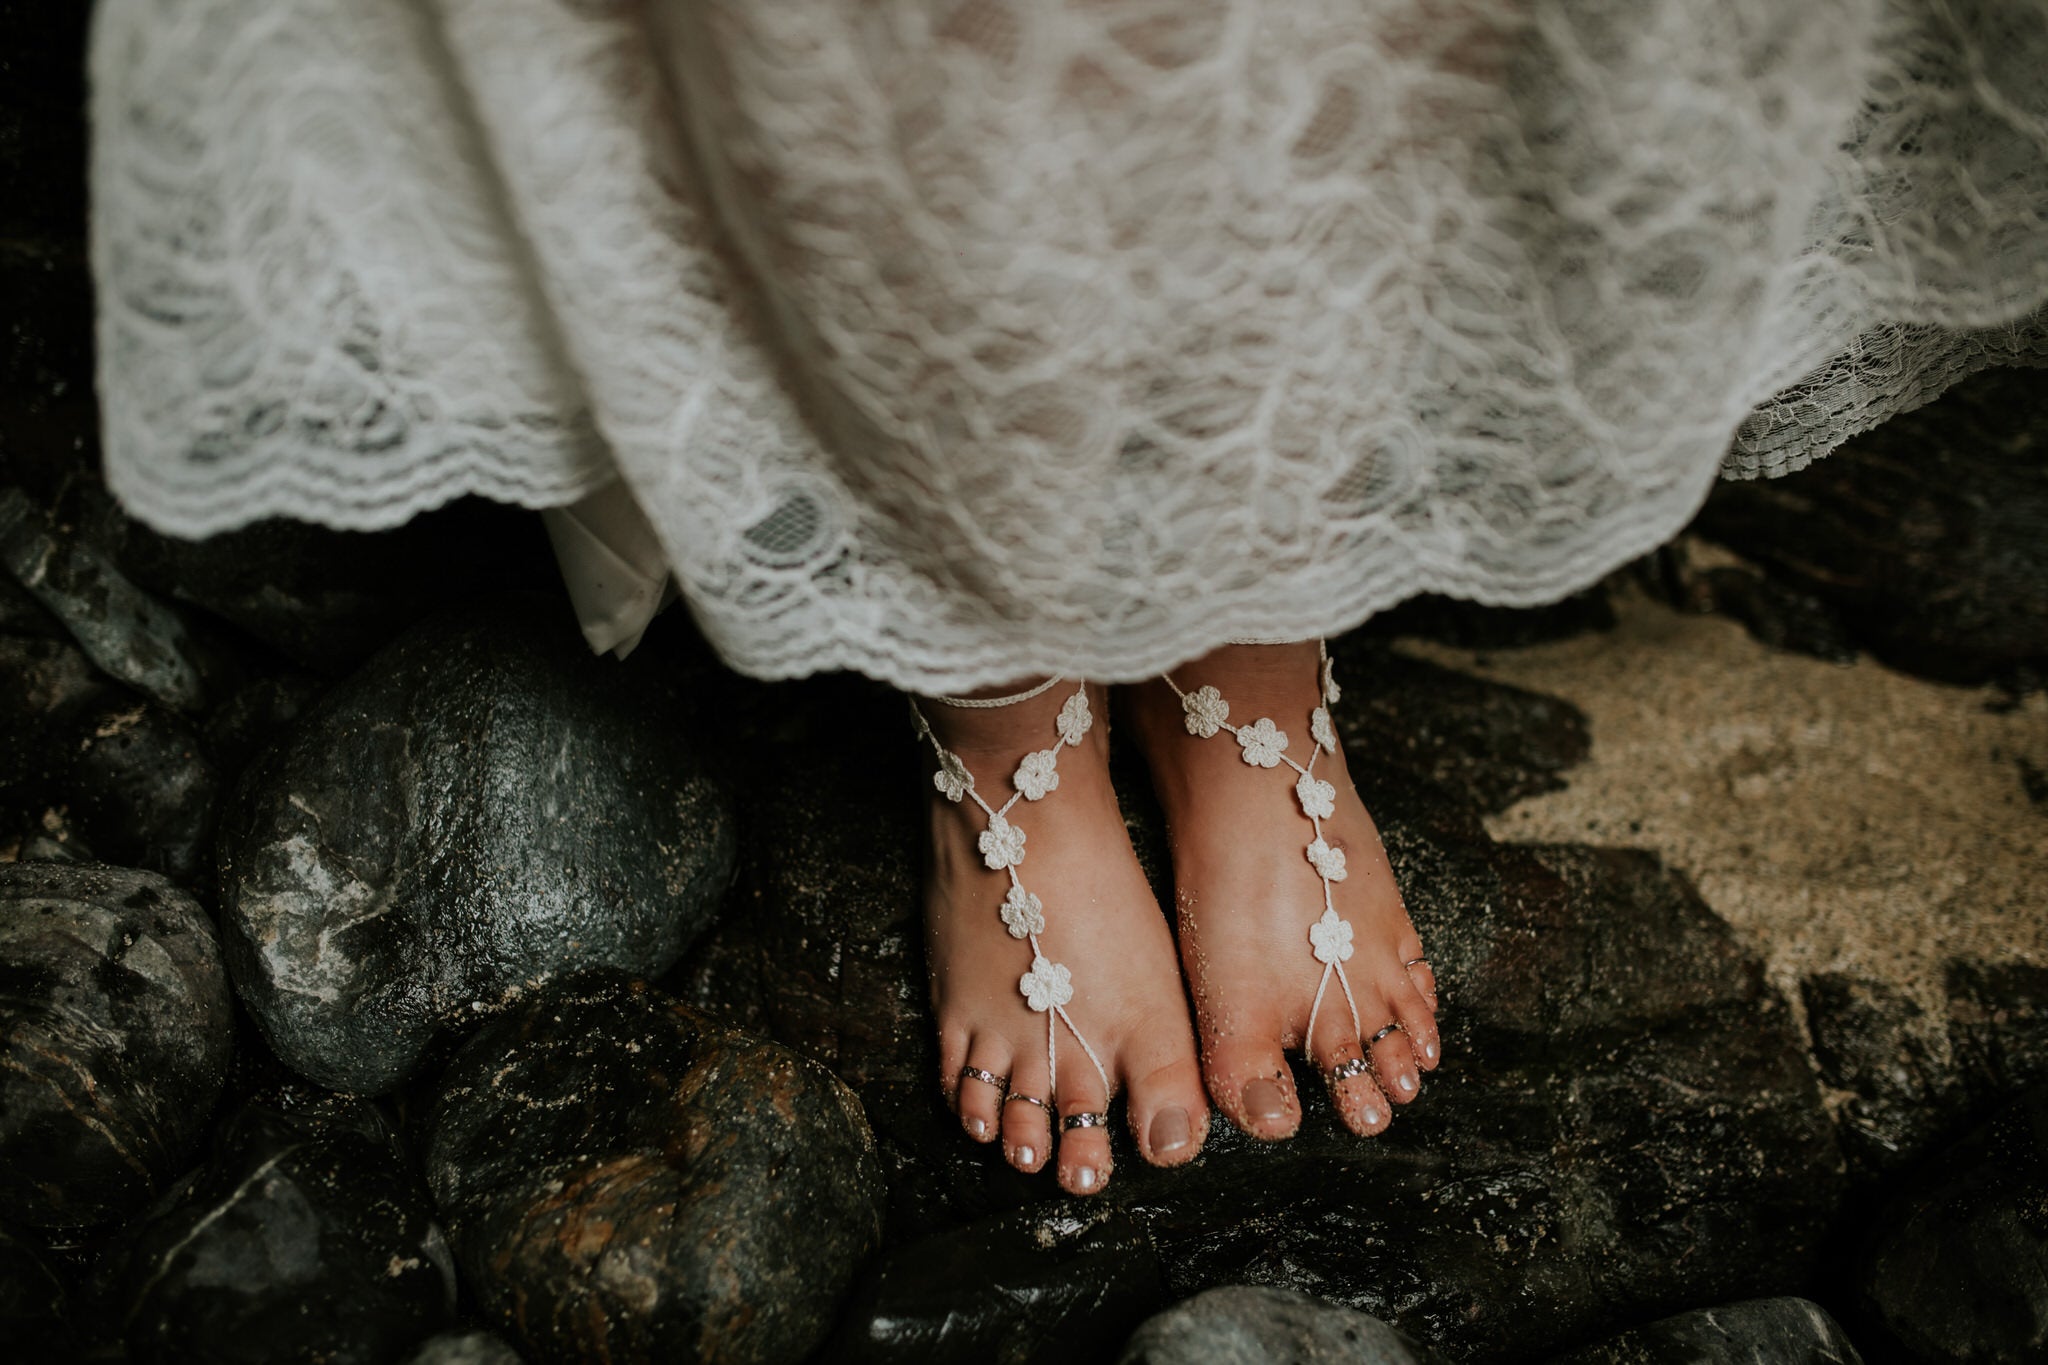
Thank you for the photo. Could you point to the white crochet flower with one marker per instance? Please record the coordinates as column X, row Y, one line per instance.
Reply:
column 1329, row 862
column 952, row 779
column 1023, row 913
column 1318, row 798
column 1325, row 733
column 1047, row 985
column 1262, row 742
column 1206, row 711
column 1036, row 775
column 1331, row 938
column 1075, row 718
column 1331, row 692
column 1002, row 844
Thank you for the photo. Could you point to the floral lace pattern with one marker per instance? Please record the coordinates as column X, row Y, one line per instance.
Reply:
column 1047, row 986
column 961, row 342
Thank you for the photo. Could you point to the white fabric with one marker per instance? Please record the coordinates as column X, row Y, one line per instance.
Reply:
column 613, row 566
column 965, row 342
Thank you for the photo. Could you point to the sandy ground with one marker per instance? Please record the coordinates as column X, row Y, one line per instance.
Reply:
column 1840, row 817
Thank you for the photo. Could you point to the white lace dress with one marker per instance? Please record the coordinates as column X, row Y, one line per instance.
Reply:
column 961, row 342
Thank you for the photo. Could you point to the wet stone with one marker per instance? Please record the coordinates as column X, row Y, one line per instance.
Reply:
column 1924, row 534
column 464, row 1348
column 625, row 1179
column 1243, row 1325
column 1626, row 1123
column 1873, row 1042
column 1957, row 1267
column 115, row 1024
column 1782, row 1331
column 129, row 634
column 1048, row 1283
column 308, row 1237
column 128, row 773
column 483, row 806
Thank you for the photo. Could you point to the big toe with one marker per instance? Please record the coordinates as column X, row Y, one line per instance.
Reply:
column 1251, row 1084
column 1168, row 1110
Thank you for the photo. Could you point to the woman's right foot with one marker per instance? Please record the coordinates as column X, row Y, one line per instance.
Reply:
column 1100, row 921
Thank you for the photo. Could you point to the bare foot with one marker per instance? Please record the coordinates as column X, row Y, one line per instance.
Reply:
column 1250, row 886
column 1042, row 769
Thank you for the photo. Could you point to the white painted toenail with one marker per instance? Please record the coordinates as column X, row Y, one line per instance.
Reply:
column 1407, row 1083
column 976, row 1127
column 1372, row 1116
column 1025, row 1156
column 1429, row 1051
column 1085, row 1177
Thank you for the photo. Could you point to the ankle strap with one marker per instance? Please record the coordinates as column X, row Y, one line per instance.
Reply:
column 985, row 703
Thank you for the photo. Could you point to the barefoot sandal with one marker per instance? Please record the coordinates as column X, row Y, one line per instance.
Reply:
column 1048, row 986
column 1264, row 745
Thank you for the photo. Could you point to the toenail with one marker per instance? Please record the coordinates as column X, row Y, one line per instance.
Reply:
column 1170, row 1131
column 1407, row 1083
column 1429, row 1051
column 1263, row 1099
column 1085, row 1177
column 1025, row 1156
column 1372, row 1116
column 977, row 1128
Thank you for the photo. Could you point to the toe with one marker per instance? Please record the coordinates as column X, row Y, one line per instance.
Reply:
column 1249, row 1080
column 1169, row 1113
column 983, row 1081
column 1336, row 1052
column 1084, row 1151
column 1393, row 1060
column 1421, row 975
column 1418, row 1021
column 1027, row 1127
column 952, row 1056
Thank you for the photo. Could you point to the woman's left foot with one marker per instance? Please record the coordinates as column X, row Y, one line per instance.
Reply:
column 1249, row 889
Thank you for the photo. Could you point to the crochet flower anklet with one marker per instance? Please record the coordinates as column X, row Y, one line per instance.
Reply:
column 1264, row 745
column 1047, row 986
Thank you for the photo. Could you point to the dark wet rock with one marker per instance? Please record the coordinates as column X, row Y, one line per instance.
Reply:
column 1776, row 1331
column 1872, row 1041
column 1243, row 1325
column 131, row 636
column 255, row 715
column 624, row 1178
column 464, row 1348
column 34, row 1305
column 1626, row 1123
column 1957, row 1267
column 326, row 599
column 1047, row 1283
column 1926, row 534
column 1998, row 1026
column 1485, row 744
column 484, row 805
column 115, row 1018
column 127, row 773
column 308, row 1237
column 1777, row 615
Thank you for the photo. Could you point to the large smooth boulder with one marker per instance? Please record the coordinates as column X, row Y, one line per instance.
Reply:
column 308, row 1237
column 625, row 1179
column 115, row 1031
column 483, row 806
column 1246, row 1325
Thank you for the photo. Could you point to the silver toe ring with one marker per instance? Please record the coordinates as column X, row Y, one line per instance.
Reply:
column 1391, row 1028
column 1418, row 962
column 1073, row 1121
column 1028, row 1099
column 1344, row 1071
column 975, row 1073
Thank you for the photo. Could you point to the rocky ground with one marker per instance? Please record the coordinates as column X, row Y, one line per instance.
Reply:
column 382, row 979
